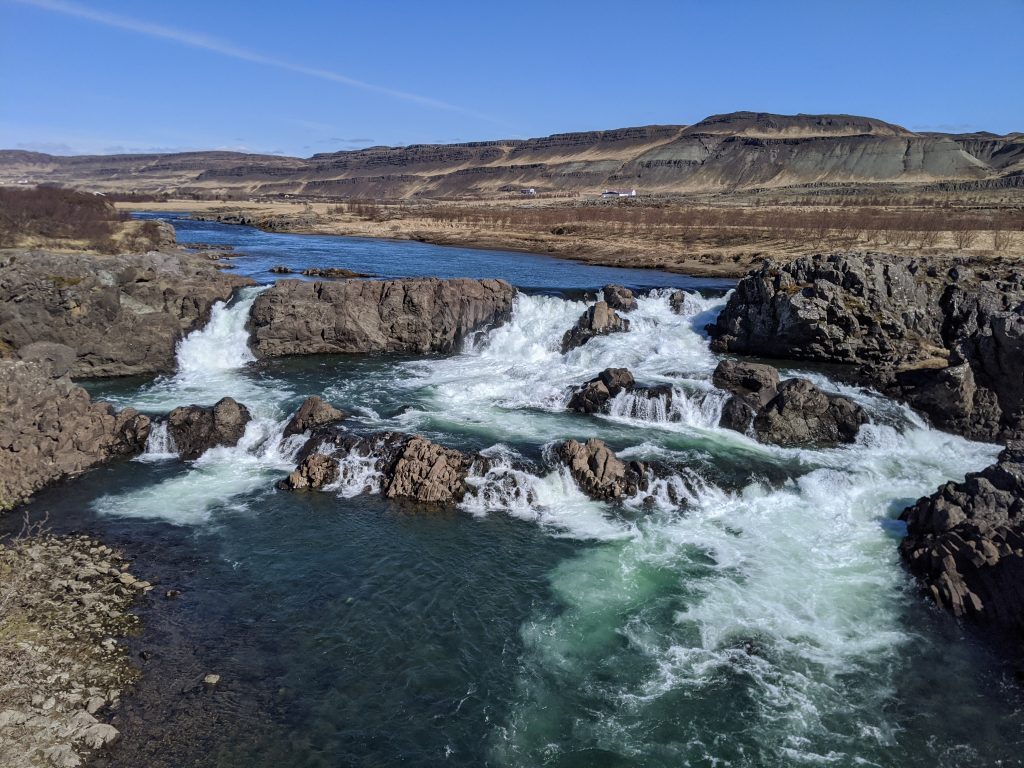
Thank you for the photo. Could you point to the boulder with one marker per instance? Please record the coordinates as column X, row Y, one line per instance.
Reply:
column 801, row 414
column 754, row 382
column 677, row 301
column 620, row 298
column 593, row 396
column 965, row 543
column 51, row 429
column 118, row 315
column 598, row 472
column 428, row 472
column 598, row 320
column 314, row 471
column 412, row 316
column 195, row 429
column 314, row 412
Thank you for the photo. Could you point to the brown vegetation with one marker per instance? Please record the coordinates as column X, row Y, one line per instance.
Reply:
column 58, row 214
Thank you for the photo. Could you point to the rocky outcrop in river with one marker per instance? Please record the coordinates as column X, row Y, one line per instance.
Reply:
column 620, row 298
column 401, row 466
column 117, row 315
column 596, row 395
column 194, row 429
column 946, row 337
column 598, row 472
column 966, row 543
column 412, row 316
column 598, row 320
column 50, row 429
column 313, row 413
column 789, row 413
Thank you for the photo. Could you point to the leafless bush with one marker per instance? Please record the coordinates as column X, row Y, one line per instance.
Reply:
column 52, row 212
column 1002, row 239
column 964, row 236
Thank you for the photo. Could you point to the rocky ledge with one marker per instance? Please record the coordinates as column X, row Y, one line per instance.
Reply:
column 945, row 336
column 793, row 412
column 598, row 472
column 966, row 544
column 413, row 316
column 115, row 315
column 597, row 394
column 63, row 601
column 51, row 429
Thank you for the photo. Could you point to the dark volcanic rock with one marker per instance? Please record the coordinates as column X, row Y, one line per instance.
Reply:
column 598, row 320
column 280, row 269
column 50, row 429
column 793, row 412
column 620, row 298
column 946, row 338
column 407, row 466
column 677, row 301
column 594, row 395
column 314, row 412
column 801, row 414
column 966, row 543
column 418, row 316
column 598, row 472
column 195, row 428
column 120, row 315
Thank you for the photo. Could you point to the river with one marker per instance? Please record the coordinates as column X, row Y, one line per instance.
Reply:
column 753, row 614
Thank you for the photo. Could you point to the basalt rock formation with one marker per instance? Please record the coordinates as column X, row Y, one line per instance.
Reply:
column 741, row 150
column 946, row 337
column 119, row 315
column 415, row 316
column 966, row 543
column 403, row 466
column 50, row 429
column 598, row 472
column 195, row 428
column 314, row 412
column 619, row 298
column 598, row 320
column 789, row 413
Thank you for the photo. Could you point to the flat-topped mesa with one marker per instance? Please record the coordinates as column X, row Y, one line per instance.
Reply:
column 116, row 315
column 412, row 316
column 965, row 543
column 50, row 429
column 947, row 338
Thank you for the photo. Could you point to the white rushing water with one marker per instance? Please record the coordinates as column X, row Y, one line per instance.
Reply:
column 772, row 566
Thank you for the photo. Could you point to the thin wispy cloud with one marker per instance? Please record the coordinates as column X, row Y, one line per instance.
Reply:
column 224, row 48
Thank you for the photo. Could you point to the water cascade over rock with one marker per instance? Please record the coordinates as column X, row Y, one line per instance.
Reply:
column 598, row 320
column 194, row 429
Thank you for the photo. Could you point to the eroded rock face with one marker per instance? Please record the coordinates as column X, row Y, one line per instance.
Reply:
column 415, row 316
column 598, row 320
column 403, row 466
column 314, row 412
column 620, row 298
column 594, row 395
column 195, row 428
column 314, row 471
column 946, row 338
column 119, row 315
column 50, row 429
column 966, row 543
column 598, row 472
column 801, row 414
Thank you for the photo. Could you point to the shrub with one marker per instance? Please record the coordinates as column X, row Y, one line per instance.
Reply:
column 52, row 212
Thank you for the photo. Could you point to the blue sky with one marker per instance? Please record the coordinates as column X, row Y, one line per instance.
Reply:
column 304, row 77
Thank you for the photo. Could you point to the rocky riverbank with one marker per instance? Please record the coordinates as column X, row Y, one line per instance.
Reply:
column 51, row 429
column 64, row 601
column 115, row 315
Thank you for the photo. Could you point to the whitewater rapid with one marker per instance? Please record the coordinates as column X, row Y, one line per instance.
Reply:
column 760, row 578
